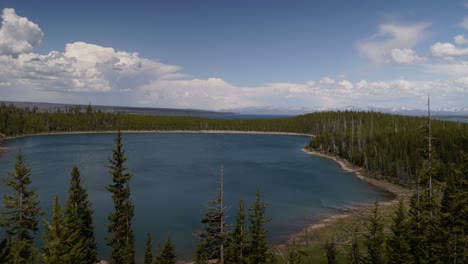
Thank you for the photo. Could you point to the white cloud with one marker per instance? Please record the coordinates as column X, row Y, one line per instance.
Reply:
column 405, row 56
column 18, row 35
column 447, row 50
column 348, row 85
column 327, row 80
column 379, row 47
column 460, row 39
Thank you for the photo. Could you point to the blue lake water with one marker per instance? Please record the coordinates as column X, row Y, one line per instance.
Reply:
column 176, row 174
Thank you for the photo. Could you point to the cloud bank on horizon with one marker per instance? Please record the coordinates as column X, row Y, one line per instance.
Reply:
column 86, row 72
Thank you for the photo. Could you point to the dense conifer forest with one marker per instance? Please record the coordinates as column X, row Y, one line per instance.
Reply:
column 430, row 157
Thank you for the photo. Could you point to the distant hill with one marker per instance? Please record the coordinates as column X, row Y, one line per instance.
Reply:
column 53, row 107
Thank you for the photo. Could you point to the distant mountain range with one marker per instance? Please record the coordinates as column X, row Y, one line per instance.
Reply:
column 269, row 110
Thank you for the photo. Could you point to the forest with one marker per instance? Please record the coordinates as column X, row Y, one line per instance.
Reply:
column 430, row 157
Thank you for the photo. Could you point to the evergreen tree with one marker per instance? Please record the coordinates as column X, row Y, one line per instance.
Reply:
column 79, row 216
column 168, row 255
column 455, row 213
column 374, row 237
column 19, row 218
column 258, row 247
column 148, row 249
column 60, row 244
column 330, row 248
column 200, row 254
column 294, row 257
column 238, row 242
column 122, row 238
column 4, row 251
column 213, row 236
column 354, row 255
column 157, row 256
column 398, row 245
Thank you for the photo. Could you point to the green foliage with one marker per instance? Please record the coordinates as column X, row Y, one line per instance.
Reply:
column 258, row 247
column 294, row 256
column 79, row 216
column 200, row 254
column 354, row 254
column 168, row 255
column 122, row 239
column 238, row 242
column 61, row 245
column 398, row 245
column 374, row 237
column 21, row 210
column 454, row 219
column 332, row 252
column 4, row 251
column 148, row 249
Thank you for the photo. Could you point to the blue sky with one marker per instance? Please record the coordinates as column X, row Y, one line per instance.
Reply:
column 229, row 54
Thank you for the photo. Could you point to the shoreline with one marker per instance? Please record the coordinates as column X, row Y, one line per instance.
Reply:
column 161, row 132
column 396, row 192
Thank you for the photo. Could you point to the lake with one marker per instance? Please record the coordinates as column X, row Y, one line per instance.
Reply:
column 176, row 174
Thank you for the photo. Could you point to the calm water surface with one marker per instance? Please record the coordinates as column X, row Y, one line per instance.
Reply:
column 176, row 174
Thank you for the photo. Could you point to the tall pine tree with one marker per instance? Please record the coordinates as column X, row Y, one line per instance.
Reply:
column 168, row 255
column 454, row 220
column 258, row 247
column 61, row 245
column 79, row 216
column 398, row 245
column 21, row 210
column 374, row 237
column 121, row 237
column 148, row 249
column 238, row 242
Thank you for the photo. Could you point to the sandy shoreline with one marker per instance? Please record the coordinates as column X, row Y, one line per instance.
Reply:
column 396, row 192
column 163, row 132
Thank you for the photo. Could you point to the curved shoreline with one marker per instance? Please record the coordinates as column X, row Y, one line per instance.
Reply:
column 396, row 191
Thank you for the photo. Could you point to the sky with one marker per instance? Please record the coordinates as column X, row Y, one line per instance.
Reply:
column 221, row 54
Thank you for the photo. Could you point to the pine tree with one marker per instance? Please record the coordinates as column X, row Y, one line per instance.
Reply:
column 374, row 237
column 79, row 216
column 354, row 254
column 60, row 244
column 258, row 247
column 157, row 256
column 168, row 255
column 294, row 257
column 213, row 236
column 4, row 251
column 19, row 218
column 330, row 248
column 238, row 242
column 200, row 254
column 122, row 238
column 148, row 249
column 455, row 213
column 398, row 245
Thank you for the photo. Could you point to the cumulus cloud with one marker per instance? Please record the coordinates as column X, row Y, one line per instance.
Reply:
column 460, row 39
column 447, row 50
column 392, row 37
column 18, row 35
column 405, row 56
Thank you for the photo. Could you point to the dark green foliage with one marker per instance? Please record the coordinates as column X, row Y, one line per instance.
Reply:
column 354, row 254
column 200, row 254
column 61, row 245
column 374, row 237
column 332, row 252
column 258, row 247
column 455, row 213
column 294, row 256
column 168, row 255
column 21, row 210
column 157, row 255
column 148, row 249
column 4, row 251
column 238, row 242
column 398, row 244
column 79, row 216
column 121, row 239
